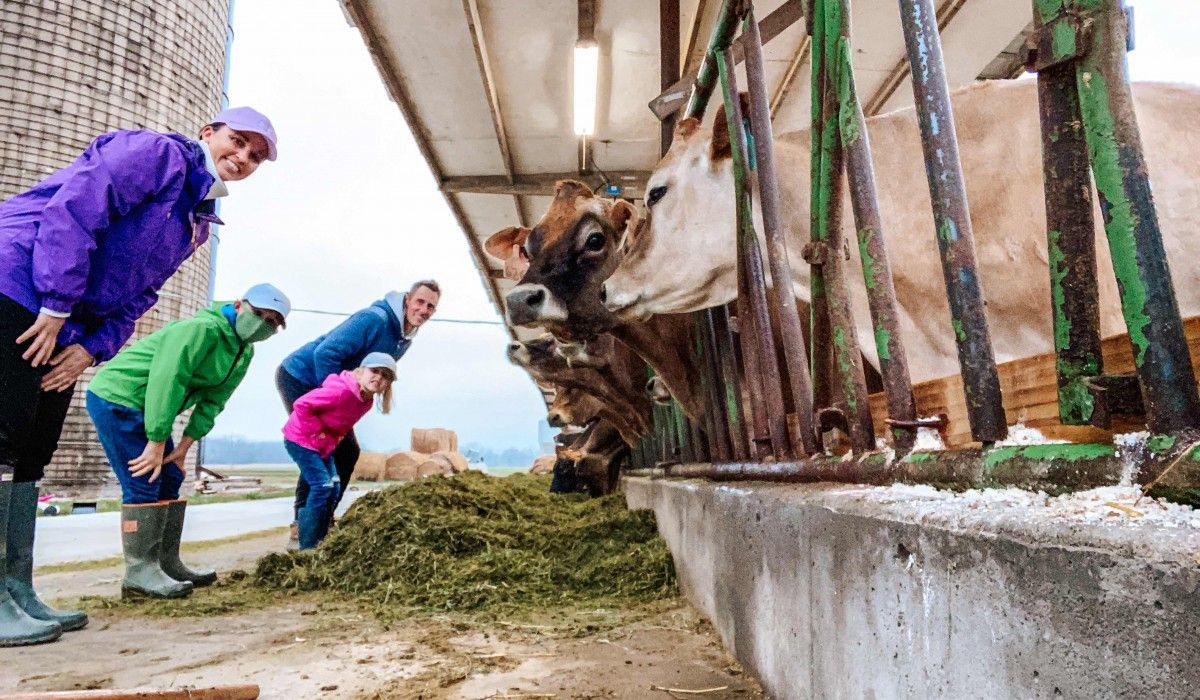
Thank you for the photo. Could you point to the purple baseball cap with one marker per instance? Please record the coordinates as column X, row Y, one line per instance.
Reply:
column 249, row 119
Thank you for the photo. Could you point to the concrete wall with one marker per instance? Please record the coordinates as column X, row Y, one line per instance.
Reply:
column 71, row 70
column 823, row 593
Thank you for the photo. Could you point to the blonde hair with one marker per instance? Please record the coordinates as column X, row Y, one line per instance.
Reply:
column 383, row 400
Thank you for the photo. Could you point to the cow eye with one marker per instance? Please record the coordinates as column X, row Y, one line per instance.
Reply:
column 655, row 194
column 594, row 242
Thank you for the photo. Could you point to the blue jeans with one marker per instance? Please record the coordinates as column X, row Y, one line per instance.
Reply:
column 122, row 432
column 320, row 475
column 345, row 455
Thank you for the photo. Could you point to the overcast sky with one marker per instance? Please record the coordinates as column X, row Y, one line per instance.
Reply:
column 350, row 211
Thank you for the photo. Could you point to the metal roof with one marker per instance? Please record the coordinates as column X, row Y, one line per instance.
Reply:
column 485, row 85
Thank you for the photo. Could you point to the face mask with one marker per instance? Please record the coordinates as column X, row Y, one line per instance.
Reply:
column 251, row 328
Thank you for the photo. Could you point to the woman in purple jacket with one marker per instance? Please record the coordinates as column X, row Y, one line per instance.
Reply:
column 83, row 254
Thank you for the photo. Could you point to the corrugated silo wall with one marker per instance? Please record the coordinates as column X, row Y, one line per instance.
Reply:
column 73, row 69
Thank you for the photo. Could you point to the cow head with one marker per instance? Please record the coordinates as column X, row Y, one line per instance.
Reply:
column 685, row 259
column 571, row 251
column 573, row 406
column 536, row 356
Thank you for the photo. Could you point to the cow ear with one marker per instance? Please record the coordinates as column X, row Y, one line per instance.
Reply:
column 686, row 127
column 499, row 244
column 571, row 189
column 621, row 215
column 720, row 140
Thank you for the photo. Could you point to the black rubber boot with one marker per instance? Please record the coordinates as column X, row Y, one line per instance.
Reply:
column 168, row 555
column 141, row 536
column 17, row 628
column 22, row 521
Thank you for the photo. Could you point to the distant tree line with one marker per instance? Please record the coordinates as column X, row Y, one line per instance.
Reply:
column 236, row 450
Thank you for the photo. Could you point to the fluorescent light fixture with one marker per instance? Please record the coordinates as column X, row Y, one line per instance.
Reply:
column 587, row 65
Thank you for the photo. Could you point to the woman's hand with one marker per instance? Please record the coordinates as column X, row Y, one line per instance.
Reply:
column 150, row 461
column 44, row 334
column 68, row 364
column 179, row 455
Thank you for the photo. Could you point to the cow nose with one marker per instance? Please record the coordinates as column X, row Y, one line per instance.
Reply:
column 514, row 347
column 525, row 303
column 603, row 293
column 555, row 420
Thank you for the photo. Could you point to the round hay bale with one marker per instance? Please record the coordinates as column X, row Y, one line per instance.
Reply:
column 544, row 464
column 432, row 467
column 458, row 463
column 402, row 466
column 430, row 440
column 370, row 466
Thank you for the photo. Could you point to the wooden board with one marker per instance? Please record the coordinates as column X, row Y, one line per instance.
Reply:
column 1030, row 389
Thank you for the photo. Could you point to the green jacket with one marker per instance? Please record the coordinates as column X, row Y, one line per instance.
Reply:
column 197, row 361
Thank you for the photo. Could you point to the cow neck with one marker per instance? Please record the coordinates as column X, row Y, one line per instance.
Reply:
column 658, row 342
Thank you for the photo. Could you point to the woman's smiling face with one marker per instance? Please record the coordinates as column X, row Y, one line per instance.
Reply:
column 236, row 154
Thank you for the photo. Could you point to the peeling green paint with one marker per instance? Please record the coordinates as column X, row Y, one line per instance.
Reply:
column 1160, row 443
column 883, row 339
column 958, row 329
column 1119, row 217
column 944, row 231
column 1066, row 451
column 868, row 260
column 1075, row 403
column 1058, row 272
column 845, row 364
column 1047, row 9
column 847, row 112
column 1062, row 40
column 913, row 457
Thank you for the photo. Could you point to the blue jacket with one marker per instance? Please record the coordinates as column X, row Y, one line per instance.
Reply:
column 100, row 237
column 374, row 329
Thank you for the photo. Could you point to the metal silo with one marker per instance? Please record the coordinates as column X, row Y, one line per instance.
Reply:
column 73, row 69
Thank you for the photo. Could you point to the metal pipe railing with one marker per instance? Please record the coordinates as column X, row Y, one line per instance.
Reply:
column 952, row 221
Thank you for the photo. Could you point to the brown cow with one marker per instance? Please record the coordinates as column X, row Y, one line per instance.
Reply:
column 571, row 251
column 685, row 259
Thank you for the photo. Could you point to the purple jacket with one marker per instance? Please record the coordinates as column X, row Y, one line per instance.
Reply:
column 100, row 237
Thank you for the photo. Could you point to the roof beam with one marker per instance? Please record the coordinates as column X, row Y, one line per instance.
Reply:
column 475, row 24
column 633, row 183
column 673, row 98
column 693, row 33
column 391, row 78
column 895, row 77
column 789, row 76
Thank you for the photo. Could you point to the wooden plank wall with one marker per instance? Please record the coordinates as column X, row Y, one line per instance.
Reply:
column 1030, row 390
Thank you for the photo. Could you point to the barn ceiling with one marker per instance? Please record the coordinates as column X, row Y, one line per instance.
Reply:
column 486, row 86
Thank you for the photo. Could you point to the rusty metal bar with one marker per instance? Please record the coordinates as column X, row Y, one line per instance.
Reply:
column 721, row 340
column 830, row 30
column 706, row 79
column 668, row 61
column 1071, row 242
column 716, row 421
column 1139, row 259
column 781, row 297
column 952, row 222
column 750, row 266
column 872, row 250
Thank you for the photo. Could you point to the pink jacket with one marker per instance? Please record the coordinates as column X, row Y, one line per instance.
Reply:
column 323, row 416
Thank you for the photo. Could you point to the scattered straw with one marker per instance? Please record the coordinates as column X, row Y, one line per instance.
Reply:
column 472, row 543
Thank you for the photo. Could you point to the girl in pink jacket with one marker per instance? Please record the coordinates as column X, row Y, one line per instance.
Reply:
column 319, row 421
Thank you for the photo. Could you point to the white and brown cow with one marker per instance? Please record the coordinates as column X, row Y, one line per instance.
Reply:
column 684, row 259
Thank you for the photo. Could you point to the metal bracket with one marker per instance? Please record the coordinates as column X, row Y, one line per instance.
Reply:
column 814, row 253
column 1064, row 38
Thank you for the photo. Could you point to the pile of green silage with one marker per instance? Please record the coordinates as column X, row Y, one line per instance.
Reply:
column 473, row 543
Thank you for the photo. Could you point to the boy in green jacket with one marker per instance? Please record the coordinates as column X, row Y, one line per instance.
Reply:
column 134, row 401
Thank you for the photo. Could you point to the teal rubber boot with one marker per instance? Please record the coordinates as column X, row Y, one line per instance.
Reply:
column 17, row 628
column 168, row 556
column 141, row 536
column 22, row 521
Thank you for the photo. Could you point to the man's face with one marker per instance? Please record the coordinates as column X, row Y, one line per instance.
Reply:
column 419, row 306
column 237, row 154
column 271, row 316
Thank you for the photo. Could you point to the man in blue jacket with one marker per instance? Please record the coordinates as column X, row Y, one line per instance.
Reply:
column 388, row 325
column 83, row 254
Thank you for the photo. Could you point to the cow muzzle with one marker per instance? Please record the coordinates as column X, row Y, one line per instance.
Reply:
column 533, row 304
column 556, row 419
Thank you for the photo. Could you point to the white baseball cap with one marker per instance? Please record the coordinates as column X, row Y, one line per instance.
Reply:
column 268, row 296
column 381, row 360
column 249, row 119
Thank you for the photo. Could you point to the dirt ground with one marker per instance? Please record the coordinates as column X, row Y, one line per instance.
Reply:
column 303, row 647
